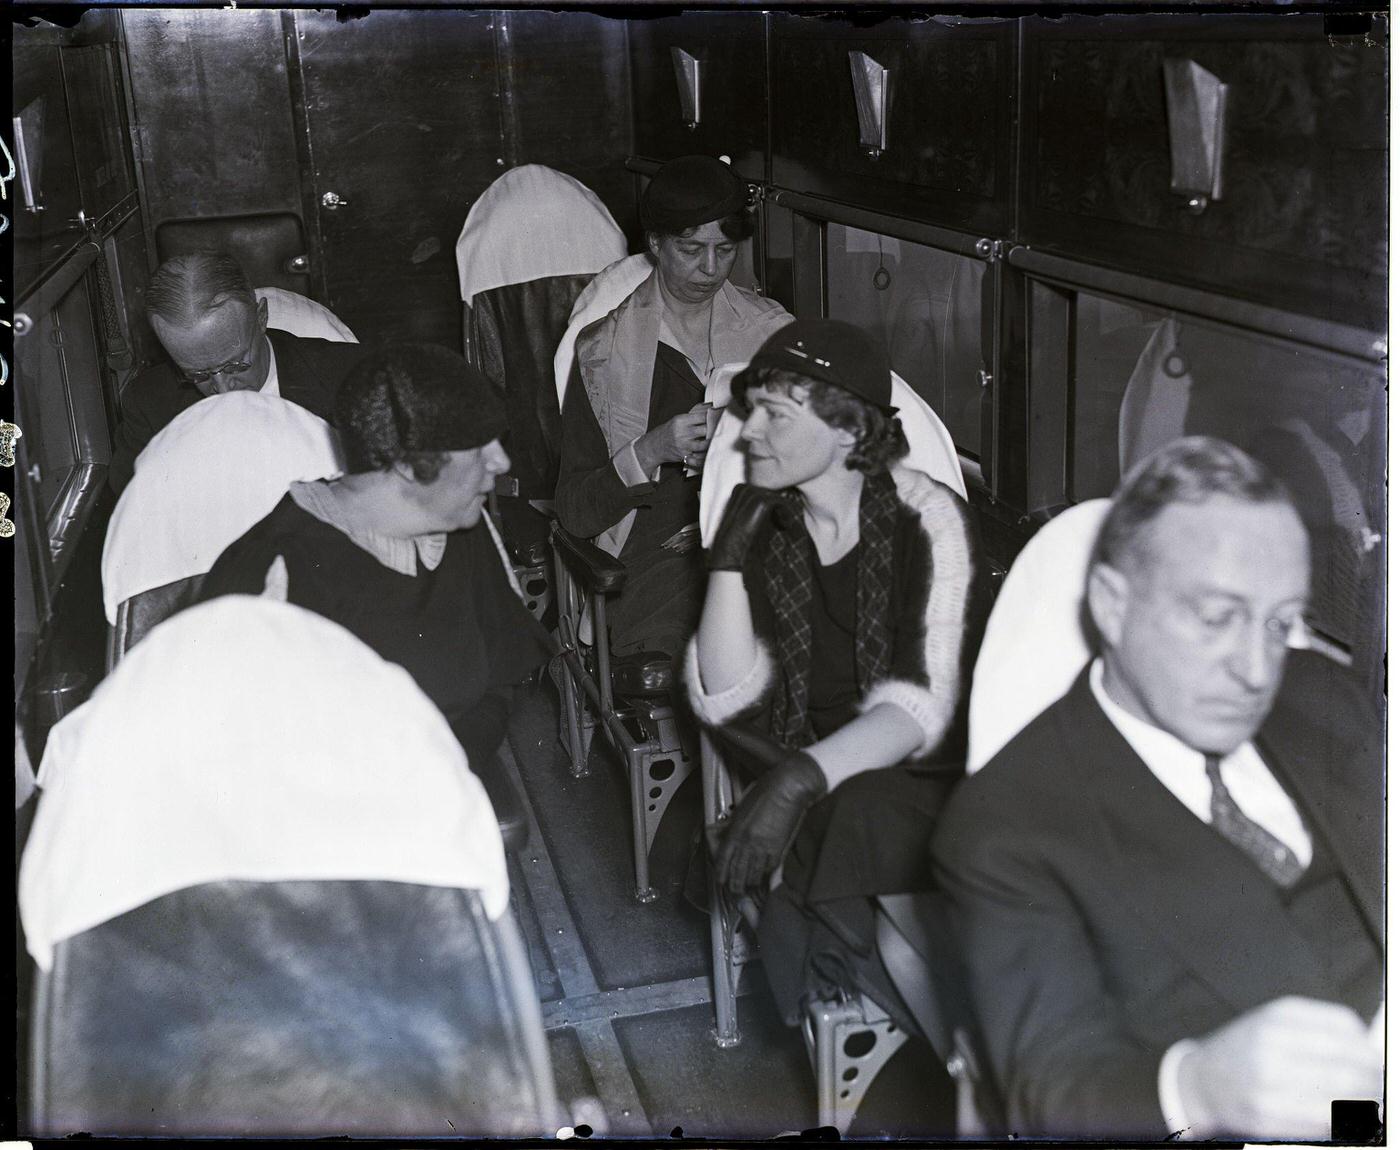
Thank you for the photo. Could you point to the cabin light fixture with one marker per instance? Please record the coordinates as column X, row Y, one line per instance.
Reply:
column 1196, row 100
column 687, row 86
column 871, row 82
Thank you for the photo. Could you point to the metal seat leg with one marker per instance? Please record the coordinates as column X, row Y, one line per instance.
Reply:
column 726, row 956
column 849, row 1043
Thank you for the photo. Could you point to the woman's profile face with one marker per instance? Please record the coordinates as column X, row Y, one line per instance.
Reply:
column 694, row 267
column 787, row 443
column 456, row 497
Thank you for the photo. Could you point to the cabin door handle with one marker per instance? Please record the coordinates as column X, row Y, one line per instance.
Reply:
column 331, row 201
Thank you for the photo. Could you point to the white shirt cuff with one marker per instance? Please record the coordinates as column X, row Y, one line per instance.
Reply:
column 629, row 467
column 1169, row 1088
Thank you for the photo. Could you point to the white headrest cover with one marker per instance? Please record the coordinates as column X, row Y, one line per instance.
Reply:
column 202, row 481
column 1034, row 647
column 604, row 292
column 289, row 311
column 248, row 739
column 931, row 448
column 531, row 223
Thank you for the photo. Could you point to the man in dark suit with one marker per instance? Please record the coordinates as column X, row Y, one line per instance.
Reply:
column 1168, row 886
column 214, row 329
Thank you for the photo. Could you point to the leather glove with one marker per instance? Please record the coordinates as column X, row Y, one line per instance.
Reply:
column 745, row 514
column 766, row 821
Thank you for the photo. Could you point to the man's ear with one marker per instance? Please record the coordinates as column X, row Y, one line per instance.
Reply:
column 654, row 244
column 1107, row 593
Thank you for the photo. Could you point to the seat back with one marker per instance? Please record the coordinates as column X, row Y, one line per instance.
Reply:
column 931, row 448
column 916, row 944
column 202, row 481
column 302, row 316
column 513, row 333
column 1156, row 400
column 1034, row 646
column 142, row 611
column 534, row 223
column 604, row 292
column 243, row 1009
column 261, row 907
column 530, row 243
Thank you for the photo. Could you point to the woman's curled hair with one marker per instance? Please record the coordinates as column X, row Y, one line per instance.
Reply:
column 413, row 403
column 880, row 441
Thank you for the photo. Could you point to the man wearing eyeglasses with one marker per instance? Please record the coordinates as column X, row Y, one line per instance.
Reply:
column 214, row 330
column 1167, row 888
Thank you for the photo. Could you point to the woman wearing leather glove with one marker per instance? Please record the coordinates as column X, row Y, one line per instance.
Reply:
column 840, row 618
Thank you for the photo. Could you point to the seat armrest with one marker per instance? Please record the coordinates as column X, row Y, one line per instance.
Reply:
column 596, row 570
column 524, row 530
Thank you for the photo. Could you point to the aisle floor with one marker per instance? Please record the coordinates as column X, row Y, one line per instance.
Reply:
column 648, row 1055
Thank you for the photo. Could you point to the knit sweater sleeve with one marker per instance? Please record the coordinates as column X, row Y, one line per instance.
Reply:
column 935, row 612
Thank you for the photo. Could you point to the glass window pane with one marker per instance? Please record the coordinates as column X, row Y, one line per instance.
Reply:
column 926, row 305
column 43, row 409
column 1142, row 377
column 62, row 410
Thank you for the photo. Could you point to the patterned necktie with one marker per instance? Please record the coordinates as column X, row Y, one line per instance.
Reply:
column 1274, row 858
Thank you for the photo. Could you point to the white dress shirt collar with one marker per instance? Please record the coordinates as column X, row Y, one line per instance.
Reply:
column 1181, row 769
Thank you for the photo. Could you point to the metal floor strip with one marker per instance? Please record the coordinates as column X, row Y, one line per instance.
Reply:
column 606, row 1063
column 627, row 1003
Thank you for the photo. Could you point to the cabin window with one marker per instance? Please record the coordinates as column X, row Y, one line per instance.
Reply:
column 1143, row 376
column 66, row 444
column 925, row 304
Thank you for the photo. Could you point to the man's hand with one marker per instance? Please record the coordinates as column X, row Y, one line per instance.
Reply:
column 1273, row 1072
column 766, row 821
column 681, row 439
column 748, row 509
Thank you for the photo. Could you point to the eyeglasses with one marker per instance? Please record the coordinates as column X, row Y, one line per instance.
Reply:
column 232, row 367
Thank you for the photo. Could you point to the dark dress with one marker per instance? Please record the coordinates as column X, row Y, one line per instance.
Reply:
column 459, row 630
column 869, row 836
column 659, row 607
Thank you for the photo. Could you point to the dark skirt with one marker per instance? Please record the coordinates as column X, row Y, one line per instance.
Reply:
column 659, row 607
column 868, row 837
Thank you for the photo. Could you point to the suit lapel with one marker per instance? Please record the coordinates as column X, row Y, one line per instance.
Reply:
column 298, row 379
column 1204, row 900
column 1315, row 761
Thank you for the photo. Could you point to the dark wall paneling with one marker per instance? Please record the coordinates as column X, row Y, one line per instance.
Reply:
column 1302, row 222
column 568, row 99
column 405, row 128
column 210, row 93
column 950, row 135
column 733, row 98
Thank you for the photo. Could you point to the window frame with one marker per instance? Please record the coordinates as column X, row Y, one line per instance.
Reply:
column 809, row 218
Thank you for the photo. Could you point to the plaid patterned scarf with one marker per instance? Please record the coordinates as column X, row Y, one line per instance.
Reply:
column 790, row 581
